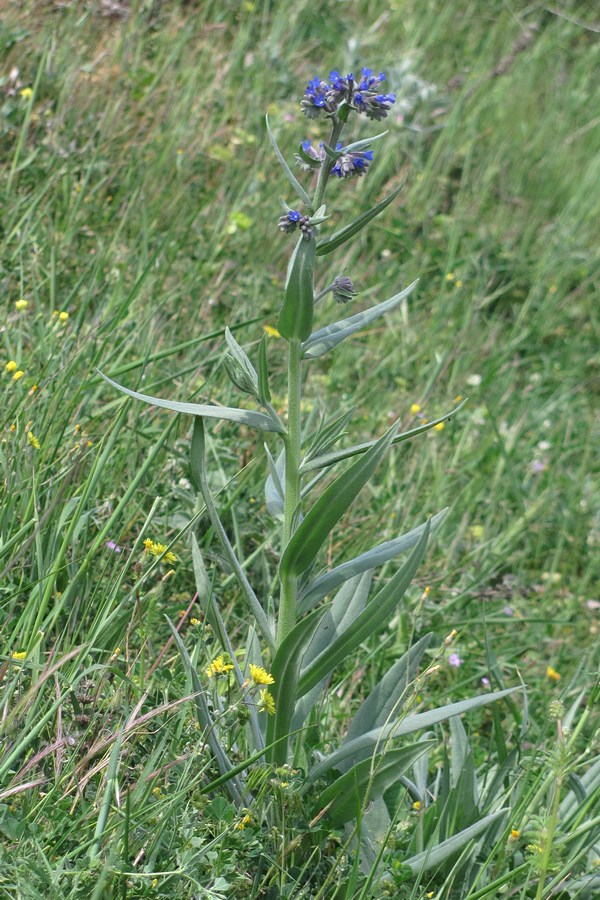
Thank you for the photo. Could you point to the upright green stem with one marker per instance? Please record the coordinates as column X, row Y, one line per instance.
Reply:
column 289, row 586
column 287, row 608
column 336, row 131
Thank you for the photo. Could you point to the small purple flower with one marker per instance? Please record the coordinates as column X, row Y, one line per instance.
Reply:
column 294, row 219
column 537, row 466
column 352, row 164
column 508, row 611
column 485, row 681
column 114, row 547
column 455, row 660
column 365, row 96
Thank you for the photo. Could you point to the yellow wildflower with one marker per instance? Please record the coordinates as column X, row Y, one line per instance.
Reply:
column 439, row 427
column 267, row 703
column 218, row 667
column 458, row 283
column 18, row 654
column 260, row 675
column 10, row 366
column 194, row 621
column 450, row 276
column 417, row 805
column 26, row 93
column 272, row 332
column 552, row 673
column 514, row 834
column 21, row 304
column 415, row 408
column 33, row 440
column 157, row 791
column 246, row 820
column 154, row 548
column 18, row 375
column 63, row 316
column 458, row 398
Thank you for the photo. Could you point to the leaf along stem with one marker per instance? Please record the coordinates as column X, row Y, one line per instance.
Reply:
column 289, row 585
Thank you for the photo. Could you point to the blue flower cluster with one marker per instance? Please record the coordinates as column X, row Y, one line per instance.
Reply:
column 353, row 163
column 365, row 96
column 294, row 219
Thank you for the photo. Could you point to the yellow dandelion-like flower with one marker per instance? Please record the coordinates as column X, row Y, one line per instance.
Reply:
column 33, row 440
column 458, row 283
column 450, row 276
column 10, row 366
column 439, row 427
column 267, row 702
column 63, row 316
column 514, row 834
column 552, row 673
column 157, row 791
column 218, row 667
column 26, row 93
column 194, row 621
column 415, row 408
column 18, row 375
column 260, row 675
column 18, row 654
column 417, row 805
column 155, row 548
column 272, row 332
column 21, row 304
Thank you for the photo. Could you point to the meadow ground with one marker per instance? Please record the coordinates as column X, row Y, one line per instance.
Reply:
column 140, row 199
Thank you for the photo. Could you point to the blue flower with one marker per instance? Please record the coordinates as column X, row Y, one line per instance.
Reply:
column 365, row 96
column 352, row 164
column 294, row 219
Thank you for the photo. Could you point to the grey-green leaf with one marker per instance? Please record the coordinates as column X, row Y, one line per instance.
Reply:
column 347, row 604
column 326, row 338
column 367, row 781
column 384, row 703
column 308, row 538
column 330, row 459
column 327, row 245
column 296, row 316
column 373, row 617
column 408, row 725
column 285, row 670
column 376, row 556
column 288, row 172
column 229, row 413
column 365, row 142
column 431, row 858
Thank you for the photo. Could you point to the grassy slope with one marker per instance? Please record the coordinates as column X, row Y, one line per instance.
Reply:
column 140, row 197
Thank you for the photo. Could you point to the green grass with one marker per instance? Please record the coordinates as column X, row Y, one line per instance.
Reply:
column 140, row 195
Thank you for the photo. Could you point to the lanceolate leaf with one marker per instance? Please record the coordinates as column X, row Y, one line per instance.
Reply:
column 367, row 781
column 384, row 703
column 373, row 617
column 288, row 172
column 373, row 558
column 330, row 459
column 347, row 604
column 306, row 541
column 365, row 142
column 327, row 245
column 430, row 859
column 231, row 414
column 296, row 317
column 395, row 730
column 274, row 485
column 264, row 393
column 285, row 669
column 328, row 433
column 326, row 338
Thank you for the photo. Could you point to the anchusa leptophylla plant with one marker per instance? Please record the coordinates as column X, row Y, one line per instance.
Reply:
column 320, row 617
